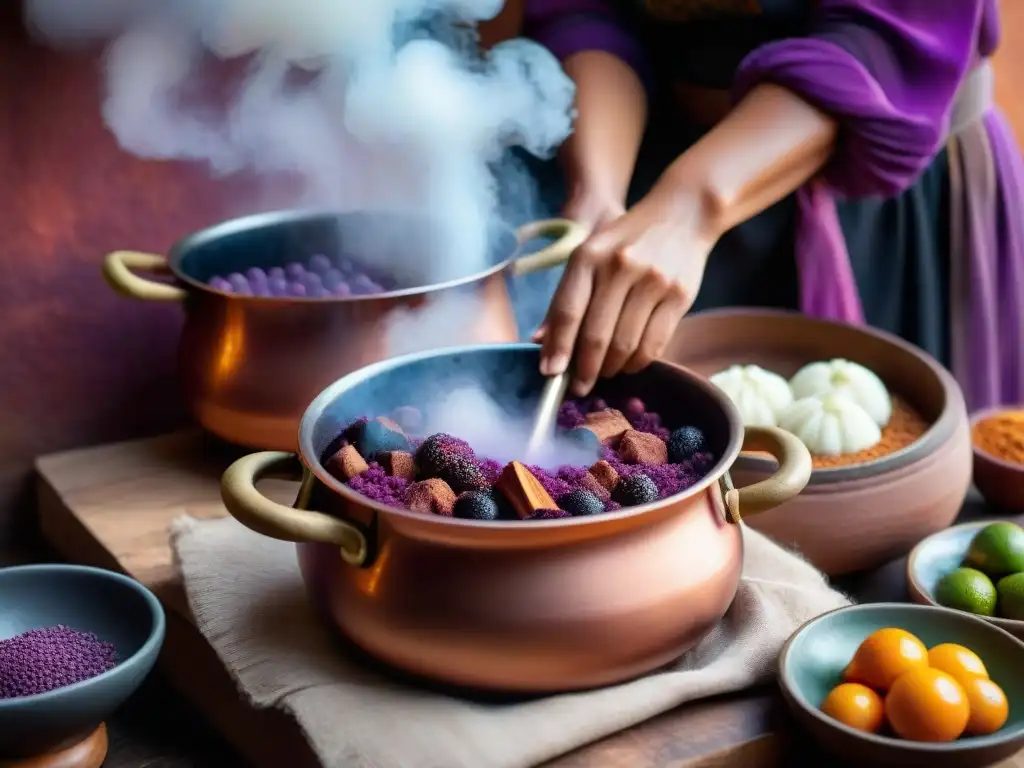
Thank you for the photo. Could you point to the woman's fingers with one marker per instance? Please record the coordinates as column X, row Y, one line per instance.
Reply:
column 643, row 298
column 595, row 336
column 661, row 326
column 568, row 307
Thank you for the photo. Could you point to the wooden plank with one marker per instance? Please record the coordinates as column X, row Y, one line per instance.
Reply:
column 112, row 506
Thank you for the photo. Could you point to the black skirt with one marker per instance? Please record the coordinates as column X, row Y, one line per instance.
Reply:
column 899, row 247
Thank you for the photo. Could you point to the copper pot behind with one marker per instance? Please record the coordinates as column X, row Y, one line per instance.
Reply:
column 517, row 606
column 249, row 365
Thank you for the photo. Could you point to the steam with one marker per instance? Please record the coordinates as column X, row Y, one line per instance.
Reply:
column 495, row 430
column 366, row 104
column 398, row 111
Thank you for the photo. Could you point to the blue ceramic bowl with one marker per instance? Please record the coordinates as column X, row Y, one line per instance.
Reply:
column 116, row 609
column 813, row 659
column 939, row 554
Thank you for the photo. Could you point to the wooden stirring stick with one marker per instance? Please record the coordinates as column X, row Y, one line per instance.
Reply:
column 544, row 420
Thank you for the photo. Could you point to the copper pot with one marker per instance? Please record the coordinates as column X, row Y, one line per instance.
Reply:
column 517, row 606
column 249, row 365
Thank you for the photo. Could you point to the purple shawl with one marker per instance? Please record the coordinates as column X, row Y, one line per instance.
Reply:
column 889, row 70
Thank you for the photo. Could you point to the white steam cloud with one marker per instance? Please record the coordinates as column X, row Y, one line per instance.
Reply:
column 398, row 109
column 367, row 104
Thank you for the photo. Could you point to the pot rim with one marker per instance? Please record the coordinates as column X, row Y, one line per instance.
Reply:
column 312, row 462
column 228, row 227
column 938, row 431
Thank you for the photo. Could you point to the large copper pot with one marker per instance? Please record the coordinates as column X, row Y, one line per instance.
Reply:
column 517, row 606
column 250, row 365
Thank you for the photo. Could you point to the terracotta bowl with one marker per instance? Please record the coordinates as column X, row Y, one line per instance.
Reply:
column 939, row 554
column 812, row 662
column 1000, row 482
column 861, row 516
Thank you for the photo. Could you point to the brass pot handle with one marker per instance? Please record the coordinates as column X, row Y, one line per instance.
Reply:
column 258, row 513
column 117, row 269
column 789, row 479
column 570, row 237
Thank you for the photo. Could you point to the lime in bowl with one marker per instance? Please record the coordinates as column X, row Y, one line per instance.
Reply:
column 977, row 568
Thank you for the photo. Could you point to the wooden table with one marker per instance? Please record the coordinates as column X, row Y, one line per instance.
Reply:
column 111, row 506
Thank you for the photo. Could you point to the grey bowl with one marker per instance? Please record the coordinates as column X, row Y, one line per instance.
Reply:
column 115, row 608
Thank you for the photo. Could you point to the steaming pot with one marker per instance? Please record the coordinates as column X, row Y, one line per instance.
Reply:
column 249, row 365
column 520, row 606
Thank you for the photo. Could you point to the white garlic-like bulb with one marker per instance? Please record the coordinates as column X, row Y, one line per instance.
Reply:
column 830, row 425
column 757, row 394
column 845, row 378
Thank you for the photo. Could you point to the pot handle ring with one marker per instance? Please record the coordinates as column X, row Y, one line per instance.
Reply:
column 569, row 234
column 789, row 479
column 118, row 269
column 258, row 513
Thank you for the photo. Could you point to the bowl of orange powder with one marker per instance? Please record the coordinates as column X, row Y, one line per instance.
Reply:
column 998, row 438
column 861, row 508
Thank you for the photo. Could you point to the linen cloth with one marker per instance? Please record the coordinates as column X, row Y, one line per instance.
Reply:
column 248, row 600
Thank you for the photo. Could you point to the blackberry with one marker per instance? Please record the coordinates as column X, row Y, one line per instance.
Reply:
column 462, row 474
column 477, row 505
column 635, row 490
column 683, row 443
column 371, row 438
column 434, row 453
column 580, row 503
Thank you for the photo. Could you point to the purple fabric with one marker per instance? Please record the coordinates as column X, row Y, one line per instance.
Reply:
column 566, row 27
column 889, row 71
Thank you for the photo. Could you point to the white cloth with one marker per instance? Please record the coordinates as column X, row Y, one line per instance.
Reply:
column 248, row 600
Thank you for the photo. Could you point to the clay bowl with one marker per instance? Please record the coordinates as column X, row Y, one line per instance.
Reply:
column 939, row 554
column 1000, row 482
column 516, row 605
column 861, row 516
column 116, row 609
column 812, row 662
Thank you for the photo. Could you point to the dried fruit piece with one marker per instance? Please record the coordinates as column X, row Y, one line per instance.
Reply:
column 431, row 496
column 608, row 424
column 398, row 464
column 642, row 448
column 605, row 474
column 347, row 463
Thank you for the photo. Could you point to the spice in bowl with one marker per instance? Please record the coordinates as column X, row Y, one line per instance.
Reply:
column 1001, row 436
column 42, row 660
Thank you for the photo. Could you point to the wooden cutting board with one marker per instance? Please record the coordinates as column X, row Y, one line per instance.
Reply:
column 111, row 506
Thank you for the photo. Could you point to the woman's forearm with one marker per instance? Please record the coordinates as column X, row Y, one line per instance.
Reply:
column 769, row 145
column 611, row 104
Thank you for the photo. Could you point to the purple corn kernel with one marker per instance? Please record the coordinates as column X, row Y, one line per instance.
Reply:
column 363, row 285
column 319, row 263
column 294, row 271
column 276, row 272
column 278, row 286
column 341, row 289
column 312, row 282
column 256, row 275
column 297, row 290
column 331, row 278
column 42, row 660
column 346, row 265
column 219, row 283
column 239, row 284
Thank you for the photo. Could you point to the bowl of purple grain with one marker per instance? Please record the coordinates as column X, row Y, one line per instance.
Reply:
column 75, row 642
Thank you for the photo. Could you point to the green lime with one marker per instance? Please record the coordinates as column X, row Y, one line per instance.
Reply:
column 997, row 549
column 966, row 589
column 1011, row 596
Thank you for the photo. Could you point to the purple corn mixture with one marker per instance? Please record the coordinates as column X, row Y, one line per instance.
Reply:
column 320, row 277
column 42, row 660
column 684, row 461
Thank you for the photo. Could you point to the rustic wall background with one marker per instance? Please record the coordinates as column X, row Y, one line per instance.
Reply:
column 79, row 365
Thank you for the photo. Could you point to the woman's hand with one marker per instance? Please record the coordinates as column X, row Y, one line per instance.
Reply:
column 627, row 287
